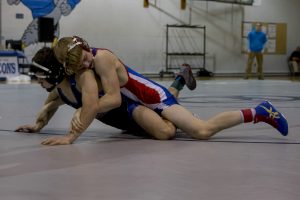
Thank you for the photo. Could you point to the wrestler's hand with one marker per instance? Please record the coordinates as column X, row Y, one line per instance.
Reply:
column 76, row 124
column 28, row 128
column 57, row 140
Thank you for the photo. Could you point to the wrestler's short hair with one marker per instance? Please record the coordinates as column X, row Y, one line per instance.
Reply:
column 68, row 51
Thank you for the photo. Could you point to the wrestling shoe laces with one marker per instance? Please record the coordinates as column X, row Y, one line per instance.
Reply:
column 266, row 112
column 187, row 74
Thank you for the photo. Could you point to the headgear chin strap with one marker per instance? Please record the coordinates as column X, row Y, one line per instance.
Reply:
column 79, row 41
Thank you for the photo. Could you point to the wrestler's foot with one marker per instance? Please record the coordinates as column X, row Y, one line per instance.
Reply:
column 266, row 112
column 187, row 74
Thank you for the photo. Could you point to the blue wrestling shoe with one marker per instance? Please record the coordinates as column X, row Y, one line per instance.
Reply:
column 266, row 112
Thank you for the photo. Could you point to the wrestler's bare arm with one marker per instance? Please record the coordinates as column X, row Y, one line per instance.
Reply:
column 49, row 108
column 105, row 67
column 88, row 111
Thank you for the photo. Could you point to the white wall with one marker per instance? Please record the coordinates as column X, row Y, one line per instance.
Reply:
column 137, row 34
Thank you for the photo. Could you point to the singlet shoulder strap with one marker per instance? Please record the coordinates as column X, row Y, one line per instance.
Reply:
column 94, row 51
column 75, row 91
column 66, row 100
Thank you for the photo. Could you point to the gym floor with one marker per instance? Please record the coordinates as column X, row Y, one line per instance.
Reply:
column 250, row 161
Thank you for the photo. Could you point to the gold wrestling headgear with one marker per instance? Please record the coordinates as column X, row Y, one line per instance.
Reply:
column 68, row 51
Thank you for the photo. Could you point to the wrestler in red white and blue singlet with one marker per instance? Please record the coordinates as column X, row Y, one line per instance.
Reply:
column 143, row 91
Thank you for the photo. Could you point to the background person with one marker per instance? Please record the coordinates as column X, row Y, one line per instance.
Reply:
column 294, row 61
column 256, row 41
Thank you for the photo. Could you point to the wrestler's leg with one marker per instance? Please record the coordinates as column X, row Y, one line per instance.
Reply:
column 200, row 129
column 153, row 124
column 119, row 118
column 140, row 120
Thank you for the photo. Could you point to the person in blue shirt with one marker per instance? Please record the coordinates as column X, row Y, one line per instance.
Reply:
column 257, row 40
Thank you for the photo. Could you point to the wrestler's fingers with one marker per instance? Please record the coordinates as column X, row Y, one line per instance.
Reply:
column 22, row 129
column 54, row 141
column 77, row 125
column 78, row 122
column 45, row 142
column 48, row 141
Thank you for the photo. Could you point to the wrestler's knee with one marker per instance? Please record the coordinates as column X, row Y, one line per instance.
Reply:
column 166, row 133
column 204, row 133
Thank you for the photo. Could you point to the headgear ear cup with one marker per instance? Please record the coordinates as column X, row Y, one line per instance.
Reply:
column 68, row 51
column 45, row 61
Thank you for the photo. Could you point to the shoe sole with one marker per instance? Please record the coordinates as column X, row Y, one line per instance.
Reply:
column 189, row 79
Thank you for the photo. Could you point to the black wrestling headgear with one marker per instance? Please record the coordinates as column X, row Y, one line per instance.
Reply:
column 45, row 62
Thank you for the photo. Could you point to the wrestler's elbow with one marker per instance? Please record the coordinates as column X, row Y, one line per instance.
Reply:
column 116, row 102
column 109, row 102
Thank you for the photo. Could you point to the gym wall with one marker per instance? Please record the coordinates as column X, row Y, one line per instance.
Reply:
column 137, row 34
